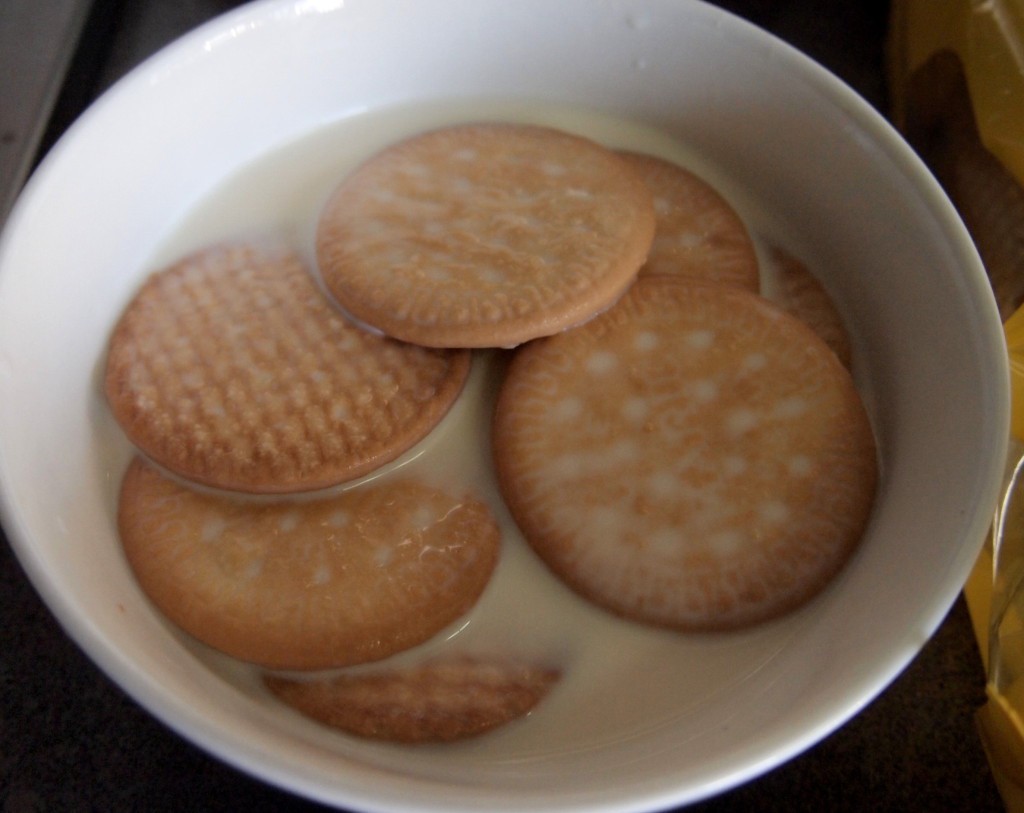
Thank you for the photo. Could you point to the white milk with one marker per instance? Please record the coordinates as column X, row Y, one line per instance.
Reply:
column 619, row 678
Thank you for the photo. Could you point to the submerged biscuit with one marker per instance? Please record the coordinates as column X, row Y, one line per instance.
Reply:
column 798, row 291
column 694, row 458
column 231, row 369
column 484, row 235
column 698, row 233
column 439, row 701
column 307, row 584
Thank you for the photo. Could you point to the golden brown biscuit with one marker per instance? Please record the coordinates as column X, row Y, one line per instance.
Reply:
column 484, row 235
column 798, row 291
column 698, row 233
column 307, row 584
column 230, row 368
column 439, row 701
column 694, row 457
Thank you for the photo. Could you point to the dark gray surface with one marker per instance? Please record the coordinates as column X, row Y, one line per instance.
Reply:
column 36, row 42
column 70, row 740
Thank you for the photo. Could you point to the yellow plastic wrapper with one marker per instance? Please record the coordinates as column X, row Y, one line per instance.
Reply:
column 956, row 70
column 995, row 593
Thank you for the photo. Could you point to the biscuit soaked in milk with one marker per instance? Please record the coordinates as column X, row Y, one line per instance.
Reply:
column 641, row 677
column 693, row 458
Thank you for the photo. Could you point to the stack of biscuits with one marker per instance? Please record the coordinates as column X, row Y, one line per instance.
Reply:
column 675, row 447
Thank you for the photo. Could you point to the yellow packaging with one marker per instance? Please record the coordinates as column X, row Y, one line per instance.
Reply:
column 986, row 35
column 956, row 71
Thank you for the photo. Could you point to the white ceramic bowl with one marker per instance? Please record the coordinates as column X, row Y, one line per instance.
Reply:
column 804, row 155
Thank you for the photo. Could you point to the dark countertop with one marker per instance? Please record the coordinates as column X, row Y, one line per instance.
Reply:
column 70, row 740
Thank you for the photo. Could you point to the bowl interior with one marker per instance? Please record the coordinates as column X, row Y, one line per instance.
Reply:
column 804, row 160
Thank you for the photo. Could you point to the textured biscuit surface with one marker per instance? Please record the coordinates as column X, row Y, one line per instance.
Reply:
column 439, row 701
column 484, row 235
column 698, row 233
column 307, row 584
column 232, row 369
column 694, row 457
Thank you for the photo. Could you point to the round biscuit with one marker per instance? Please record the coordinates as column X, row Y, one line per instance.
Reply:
column 307, row 584
column 698, row 233
column 442, row 700
column 232, row 369
column 484, row 235
column 694, row 458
